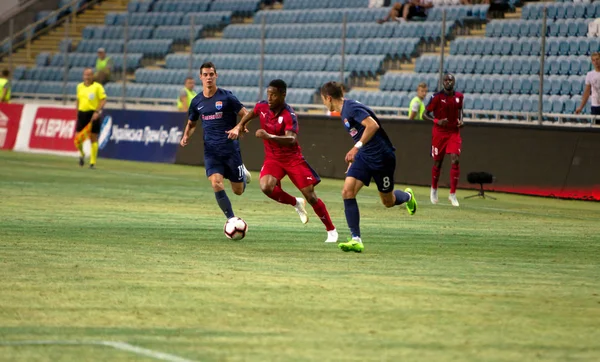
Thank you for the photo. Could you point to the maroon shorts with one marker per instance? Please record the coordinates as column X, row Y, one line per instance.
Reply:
column 299, row 171
column 443, row 143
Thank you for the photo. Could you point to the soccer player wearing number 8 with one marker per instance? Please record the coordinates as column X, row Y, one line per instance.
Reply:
column 445, row 110
column 372, row 156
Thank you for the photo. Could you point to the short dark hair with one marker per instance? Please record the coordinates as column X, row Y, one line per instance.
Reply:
column 280, row 85
column 5, row 73
column 333, row 89
column 207, row 65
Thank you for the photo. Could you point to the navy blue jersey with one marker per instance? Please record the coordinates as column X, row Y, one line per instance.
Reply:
column 353, row 113
column 219, row 114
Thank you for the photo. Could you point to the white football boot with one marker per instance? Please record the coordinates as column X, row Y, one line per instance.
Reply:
column 247, row 174
column 332, row 236
column 301, row 209
column 433, row 196
column 453, row 199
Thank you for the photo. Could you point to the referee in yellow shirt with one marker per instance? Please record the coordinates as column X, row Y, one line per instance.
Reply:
column 91, row 99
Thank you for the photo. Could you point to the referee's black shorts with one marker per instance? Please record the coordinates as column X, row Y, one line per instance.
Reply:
column 83, row 118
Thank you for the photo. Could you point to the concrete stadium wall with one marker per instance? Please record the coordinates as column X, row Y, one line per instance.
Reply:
column 546, row 161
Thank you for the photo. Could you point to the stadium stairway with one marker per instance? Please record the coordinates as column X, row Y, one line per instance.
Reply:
column 51, row 41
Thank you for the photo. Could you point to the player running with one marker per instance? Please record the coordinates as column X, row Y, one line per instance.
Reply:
column 218, row 108
column 445, row 110
column 283, row 156
column 372, row 156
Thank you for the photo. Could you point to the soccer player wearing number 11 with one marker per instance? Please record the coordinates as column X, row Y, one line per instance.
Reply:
column 371, row 157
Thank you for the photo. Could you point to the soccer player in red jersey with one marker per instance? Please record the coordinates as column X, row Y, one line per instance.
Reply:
column 445, row 110
column 283, row 156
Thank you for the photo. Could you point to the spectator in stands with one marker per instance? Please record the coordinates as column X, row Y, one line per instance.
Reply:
column 417, row 107
column 404, row 12
column 5, row 87
column 103, row 67
column 592, row 85
column 186, row 95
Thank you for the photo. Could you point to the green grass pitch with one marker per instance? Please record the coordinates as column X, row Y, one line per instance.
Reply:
column 134, row 252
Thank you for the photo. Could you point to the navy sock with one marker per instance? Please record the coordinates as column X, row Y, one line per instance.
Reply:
column 224, row 203
column 401, row 197
column 352, row 216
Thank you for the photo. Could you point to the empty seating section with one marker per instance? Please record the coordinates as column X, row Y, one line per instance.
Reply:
column 389, row 31
column 561, row 10
column 533, row 28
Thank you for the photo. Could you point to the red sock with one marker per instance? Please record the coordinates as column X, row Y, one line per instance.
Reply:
column 321, row 211
column 454, row 174
column 282, row 197
column 435, row 176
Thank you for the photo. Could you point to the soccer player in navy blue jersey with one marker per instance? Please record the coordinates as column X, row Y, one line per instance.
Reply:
column 373, row 156
column 218, row 109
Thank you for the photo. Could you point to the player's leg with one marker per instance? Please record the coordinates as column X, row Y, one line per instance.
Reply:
column 438, row 150
column 357, row 176
column 453, row 149
column 321, row 210
column 305, row 178
column 384, row 179
column 235, row 171
column 270, row 175
column 214, row 171
column 352, row 186
column 94, row 139
column 82, row 132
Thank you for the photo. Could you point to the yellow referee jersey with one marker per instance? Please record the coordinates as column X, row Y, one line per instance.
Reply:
column 90, row 96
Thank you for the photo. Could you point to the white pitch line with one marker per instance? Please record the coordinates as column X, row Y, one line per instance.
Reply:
column 116, row 345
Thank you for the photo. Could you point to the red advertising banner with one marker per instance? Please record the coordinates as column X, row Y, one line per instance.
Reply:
column 53, row 129
column 10, row 117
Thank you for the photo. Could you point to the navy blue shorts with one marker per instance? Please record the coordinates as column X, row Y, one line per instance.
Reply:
column 595, row 110
column 230, row 166
column 381, row 172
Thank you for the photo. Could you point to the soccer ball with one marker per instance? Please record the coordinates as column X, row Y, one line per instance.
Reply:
column 235, row 228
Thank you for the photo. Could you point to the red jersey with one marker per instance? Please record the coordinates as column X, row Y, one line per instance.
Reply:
column 278, row 124
column 447, row 106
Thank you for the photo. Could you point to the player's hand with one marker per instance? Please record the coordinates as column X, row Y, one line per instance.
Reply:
column 350, row 155
column 442, row 122
column 261, row 133
column 461, row 123
column 234, row 133
column 578, row 110
column 95, row 116
column 184, row 141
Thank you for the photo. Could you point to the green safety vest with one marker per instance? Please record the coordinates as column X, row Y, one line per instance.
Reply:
column 421, row 108
column 190, row 95
column 3, row 82
column 101, row 64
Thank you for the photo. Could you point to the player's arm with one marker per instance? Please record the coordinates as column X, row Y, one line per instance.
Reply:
column 584, row 98
column 428, row 115
column 461, row 123
column 241, row 127
column 3, row 97
column 413, row 110
column 289, row 139
column 101, row 94
column 371, row 128
column 190, row 127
